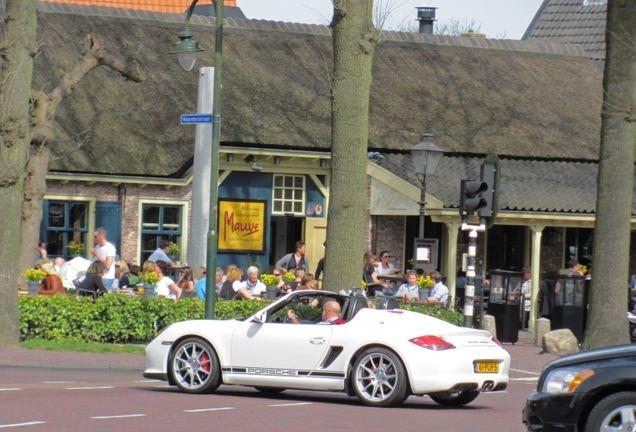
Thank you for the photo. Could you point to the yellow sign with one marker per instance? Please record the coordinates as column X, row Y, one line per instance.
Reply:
column 241, row 226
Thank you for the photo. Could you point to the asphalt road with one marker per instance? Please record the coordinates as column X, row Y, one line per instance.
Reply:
column 63, row 399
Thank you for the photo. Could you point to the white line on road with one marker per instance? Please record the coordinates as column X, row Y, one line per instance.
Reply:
column 525, row 371
column 58, row 382
column 89, row 388
column 291, row 404
column 9, row 389
column 21, row 424
column 525, row 379
column 118, row 416
column 147, row 380
column 208, row 409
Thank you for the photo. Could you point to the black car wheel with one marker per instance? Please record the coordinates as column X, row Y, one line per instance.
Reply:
column 455, row 399
column 379, row 379
column 194, row 366
column 616, row 412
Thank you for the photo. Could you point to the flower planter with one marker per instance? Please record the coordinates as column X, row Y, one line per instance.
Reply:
column 423, row 294
column 150, row 290
column 271, row 293
column 33, row 287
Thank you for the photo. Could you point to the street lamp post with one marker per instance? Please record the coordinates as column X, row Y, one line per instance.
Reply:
column 186, row 50
column 426, row 156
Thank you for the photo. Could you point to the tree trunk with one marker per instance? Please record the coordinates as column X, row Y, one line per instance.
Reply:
column 607, row 324
column 354, row 40
column 34, row 190
column 19, row 48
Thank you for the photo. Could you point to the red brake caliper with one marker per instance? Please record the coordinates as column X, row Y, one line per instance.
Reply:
column 205, row 362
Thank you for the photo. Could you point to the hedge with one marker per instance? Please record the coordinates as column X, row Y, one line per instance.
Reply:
column 123, row 319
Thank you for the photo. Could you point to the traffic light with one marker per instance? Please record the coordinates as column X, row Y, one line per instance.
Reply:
column 470, row 200
column 490, row 174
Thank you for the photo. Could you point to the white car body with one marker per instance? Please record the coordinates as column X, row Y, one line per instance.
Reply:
column 278, row 355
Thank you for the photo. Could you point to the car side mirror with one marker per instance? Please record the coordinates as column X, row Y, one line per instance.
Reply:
column 260, row 317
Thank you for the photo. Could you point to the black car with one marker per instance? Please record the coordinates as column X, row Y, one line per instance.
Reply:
column 592, row 390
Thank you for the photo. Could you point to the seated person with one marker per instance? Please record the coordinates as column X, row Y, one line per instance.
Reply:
column 439, row 293
column 330, row 314
column 93, row 280
column 409, row 290
column 233, row 288
column 52, row 284
column 253, row 285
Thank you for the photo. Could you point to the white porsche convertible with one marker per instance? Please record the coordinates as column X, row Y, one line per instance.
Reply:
column 381, row 356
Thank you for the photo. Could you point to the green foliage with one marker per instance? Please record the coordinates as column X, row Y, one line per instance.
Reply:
column 49, row 345
column 438, row 311
column 256, row 263
column 123, row 320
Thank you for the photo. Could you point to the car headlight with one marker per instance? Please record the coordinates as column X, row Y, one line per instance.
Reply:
column 565, row 380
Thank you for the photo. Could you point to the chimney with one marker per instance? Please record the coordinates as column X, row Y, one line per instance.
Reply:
column 426, row 17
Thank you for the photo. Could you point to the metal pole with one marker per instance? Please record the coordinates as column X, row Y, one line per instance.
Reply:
column 210, row 282
column 422, row 206
column 470, row 279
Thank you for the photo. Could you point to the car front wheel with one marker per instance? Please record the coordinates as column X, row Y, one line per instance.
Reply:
column 194, row 366
column 616, row 412
column 455, row 399
column 379, row 379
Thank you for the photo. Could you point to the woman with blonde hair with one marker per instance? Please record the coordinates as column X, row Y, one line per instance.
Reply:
column 199, row 274
column 52, row 283
column 233, row 288
column 121, row 273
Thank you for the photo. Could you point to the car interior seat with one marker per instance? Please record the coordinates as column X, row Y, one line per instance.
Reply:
column 388, row 303
column 353, row 306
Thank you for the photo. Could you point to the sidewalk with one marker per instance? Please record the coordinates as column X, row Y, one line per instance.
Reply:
column 526, row 357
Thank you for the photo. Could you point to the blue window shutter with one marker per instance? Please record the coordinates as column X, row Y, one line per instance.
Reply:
column 108, row 216
column 43, row 222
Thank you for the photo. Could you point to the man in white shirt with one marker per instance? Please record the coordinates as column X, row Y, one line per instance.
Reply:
column 105, row 252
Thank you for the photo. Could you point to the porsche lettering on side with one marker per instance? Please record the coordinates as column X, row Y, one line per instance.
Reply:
column 380, row 356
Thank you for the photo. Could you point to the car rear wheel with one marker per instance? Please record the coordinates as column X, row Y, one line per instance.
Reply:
column 379, row 379
column 455, row 399
column 270, row 390
column 616, row 412
column 194, row 366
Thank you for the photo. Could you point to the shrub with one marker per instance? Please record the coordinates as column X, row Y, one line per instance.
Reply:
column 123, row 319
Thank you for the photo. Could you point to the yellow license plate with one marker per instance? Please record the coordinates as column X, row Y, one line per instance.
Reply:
column 486, row 367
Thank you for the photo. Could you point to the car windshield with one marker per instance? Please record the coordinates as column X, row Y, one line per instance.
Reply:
column 308, row 307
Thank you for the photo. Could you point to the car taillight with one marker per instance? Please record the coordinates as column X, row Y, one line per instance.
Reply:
column 495, row 340
column 434, row 343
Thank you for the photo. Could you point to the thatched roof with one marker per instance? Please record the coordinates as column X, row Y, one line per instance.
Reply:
column 513, row 98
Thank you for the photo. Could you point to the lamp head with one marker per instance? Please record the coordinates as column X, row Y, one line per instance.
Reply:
column 186, row 50
column 426, row 155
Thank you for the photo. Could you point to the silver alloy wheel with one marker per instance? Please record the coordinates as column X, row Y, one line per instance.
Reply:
column 376, row 377
column 191, row 365
column 622, row 418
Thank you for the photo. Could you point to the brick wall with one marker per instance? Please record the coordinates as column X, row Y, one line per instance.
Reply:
column 131, row 196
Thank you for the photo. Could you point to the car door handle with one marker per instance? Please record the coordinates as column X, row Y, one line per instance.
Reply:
column 317, row 340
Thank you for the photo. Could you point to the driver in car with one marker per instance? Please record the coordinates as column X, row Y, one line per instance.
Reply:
column 330, row 314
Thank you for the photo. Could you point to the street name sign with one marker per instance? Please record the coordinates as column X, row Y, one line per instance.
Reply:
column 196, row 118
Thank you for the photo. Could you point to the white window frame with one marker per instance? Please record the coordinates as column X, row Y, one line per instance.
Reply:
column 292, row 200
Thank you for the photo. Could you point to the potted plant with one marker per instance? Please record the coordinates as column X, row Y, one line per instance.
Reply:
column 174, row 250
column 270, row 282
column 34, row 277
column 150, row 280
column 76, row 248
column 425, row 283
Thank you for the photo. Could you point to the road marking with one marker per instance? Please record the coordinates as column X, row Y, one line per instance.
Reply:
column 525, row 379
column 9, row 389
column 118, row 416
column 89, row 388
column 291, row 404
column 525, row 371
column 148, row 380
column 58, row 382
column 208, row 409
column 21, row 424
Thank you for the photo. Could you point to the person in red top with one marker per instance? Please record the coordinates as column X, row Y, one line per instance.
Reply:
column 330, row 314
column 52, row 283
